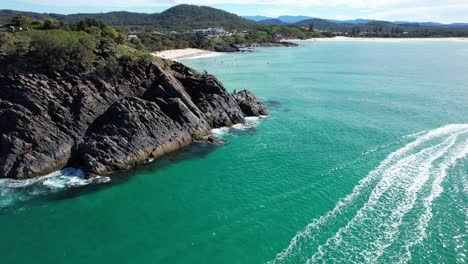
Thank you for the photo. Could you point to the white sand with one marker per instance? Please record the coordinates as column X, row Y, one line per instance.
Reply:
column 385, row 39
column 181, row 54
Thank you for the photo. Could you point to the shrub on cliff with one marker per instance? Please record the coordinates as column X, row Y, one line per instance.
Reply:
column 4, row 41
column 63, row 50
column 21, row 21
column 14, row 45
column 50, row 23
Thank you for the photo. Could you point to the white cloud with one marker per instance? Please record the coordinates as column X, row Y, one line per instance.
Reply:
column 447, row 13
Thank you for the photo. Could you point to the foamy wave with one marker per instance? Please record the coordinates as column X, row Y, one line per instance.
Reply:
column 250, row 122
column 394, row 188
column 220, row 131
column 14, row 191
column 202, row 56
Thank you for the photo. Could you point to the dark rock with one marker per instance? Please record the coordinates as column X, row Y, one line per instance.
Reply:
column 272, row 103
column 214, row 139
column 226, row 49
column 48, row 122
column 287, row 110
column 278, row 44
column 249, row 104
column 247, row 47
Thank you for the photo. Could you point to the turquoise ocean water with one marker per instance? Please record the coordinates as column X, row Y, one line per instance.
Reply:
column 362, row 160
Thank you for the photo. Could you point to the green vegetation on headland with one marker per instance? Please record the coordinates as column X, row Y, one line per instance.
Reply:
column 382, row 29
column 81, row 95
column 184, row 26
column 178, row 22
column 148, row 38
column 53, row 46
column 178, row 18
column 231, row 41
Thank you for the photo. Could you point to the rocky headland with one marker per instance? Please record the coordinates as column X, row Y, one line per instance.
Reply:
column 50, row 120
column 243, row 47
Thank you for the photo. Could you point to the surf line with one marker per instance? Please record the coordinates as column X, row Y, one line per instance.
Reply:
column 423, row 143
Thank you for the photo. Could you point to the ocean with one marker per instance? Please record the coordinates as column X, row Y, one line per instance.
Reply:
column 363, row 159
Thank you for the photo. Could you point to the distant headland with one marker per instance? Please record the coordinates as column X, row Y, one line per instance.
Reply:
column 201, row 27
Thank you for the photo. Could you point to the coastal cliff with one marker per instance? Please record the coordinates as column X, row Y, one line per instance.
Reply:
column 49, row 120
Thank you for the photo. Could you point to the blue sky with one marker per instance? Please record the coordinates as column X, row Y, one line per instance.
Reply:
column 447, row 11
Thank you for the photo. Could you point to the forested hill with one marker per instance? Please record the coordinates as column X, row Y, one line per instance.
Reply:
column 184, row 18
column 181, row 17
column 376, row 28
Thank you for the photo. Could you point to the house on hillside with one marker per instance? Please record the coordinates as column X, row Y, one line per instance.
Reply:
column 211, row 32
column 130, row 37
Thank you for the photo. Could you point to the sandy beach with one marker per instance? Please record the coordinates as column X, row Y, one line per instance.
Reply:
column 381, row 39
column 184, row 54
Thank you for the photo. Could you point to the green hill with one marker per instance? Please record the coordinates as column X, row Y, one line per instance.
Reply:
column 272, row 21
column 6, row 15
column 321, row 24
column 121, row 18
column 190, row 17
column 181, row 17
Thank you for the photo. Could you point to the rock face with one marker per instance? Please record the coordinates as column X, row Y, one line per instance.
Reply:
column 245, row 47
column 249, row 104
column 48, row 122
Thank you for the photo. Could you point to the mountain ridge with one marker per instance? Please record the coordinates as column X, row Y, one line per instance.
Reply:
column 358, row 21
column 183, row 18
column 180, row 17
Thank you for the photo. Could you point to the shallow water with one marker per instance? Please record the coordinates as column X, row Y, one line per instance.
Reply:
column 362, row 159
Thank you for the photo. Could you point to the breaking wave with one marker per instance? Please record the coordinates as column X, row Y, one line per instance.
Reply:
column 402, row 189
column 13, row 191
column 250, row 123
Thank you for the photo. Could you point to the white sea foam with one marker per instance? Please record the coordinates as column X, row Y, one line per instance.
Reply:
column 250, row 122
column 441, row 172
column 12, row 191
column 220, row 131
column 398, row 180
column 203, row 56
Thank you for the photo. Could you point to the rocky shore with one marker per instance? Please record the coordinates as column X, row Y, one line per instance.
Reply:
column 247, row 46
column 49, row 121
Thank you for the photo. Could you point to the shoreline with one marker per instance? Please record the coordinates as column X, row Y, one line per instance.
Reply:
column 343, row 39
column 192, row 53
column 185, row 54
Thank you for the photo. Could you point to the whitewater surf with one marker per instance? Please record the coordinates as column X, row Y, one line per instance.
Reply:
column 400, row 192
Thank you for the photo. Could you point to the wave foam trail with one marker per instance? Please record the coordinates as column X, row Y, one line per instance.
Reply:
column 393, row 189
column 15, row 191
column 250, row 123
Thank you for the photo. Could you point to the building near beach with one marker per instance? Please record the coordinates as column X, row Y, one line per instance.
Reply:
column 211, row 32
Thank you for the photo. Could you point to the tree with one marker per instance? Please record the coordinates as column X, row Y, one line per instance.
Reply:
column 50, row 23
column 111, row 32
column 64, row 50
column 36, row 24
column 90, row 22
column 311, row 27
column 21, row 21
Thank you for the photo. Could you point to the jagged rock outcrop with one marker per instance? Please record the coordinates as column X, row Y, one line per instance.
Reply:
column 49, row 121
column 249, row 104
